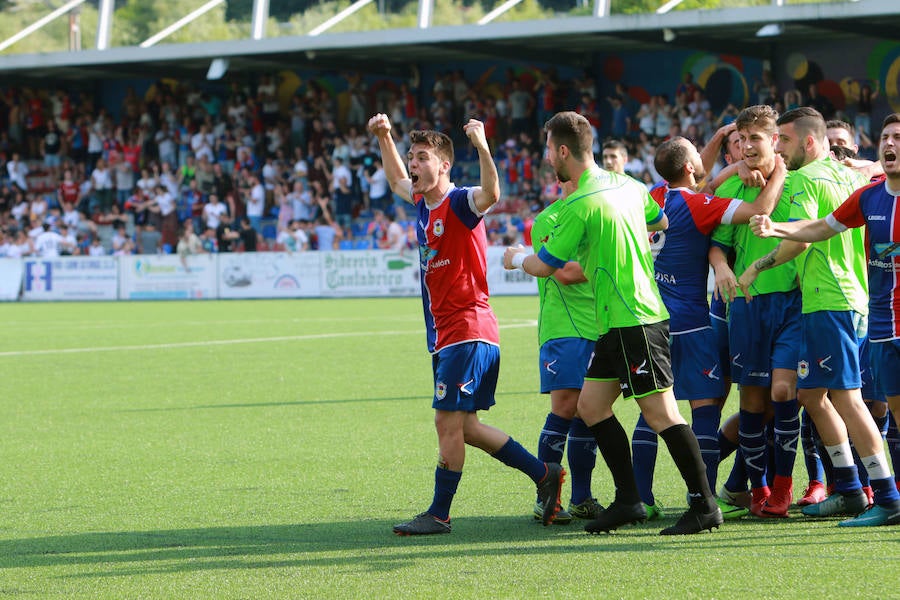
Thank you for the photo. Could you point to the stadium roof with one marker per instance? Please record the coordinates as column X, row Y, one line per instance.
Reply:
column 564, row 40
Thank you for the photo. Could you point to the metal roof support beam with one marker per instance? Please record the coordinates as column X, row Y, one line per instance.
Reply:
column 601, row 8
column 668, row 6
column 180, row 23
column 39, row 23
column 498, row 11
column 260, row 17
column 426, row 13
column 104, row 23
column 339, row 17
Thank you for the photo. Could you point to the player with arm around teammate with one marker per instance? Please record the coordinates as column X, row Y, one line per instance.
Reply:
column 461, row 329
column 604, row 224
column 875, row 206
column 681, row 270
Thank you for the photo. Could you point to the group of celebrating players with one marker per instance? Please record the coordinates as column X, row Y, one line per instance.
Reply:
column 807, row 324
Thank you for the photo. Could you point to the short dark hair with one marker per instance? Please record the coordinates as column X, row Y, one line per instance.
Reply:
column 838, row 124
column 890, row 119
column 617, row 145
column 671, row 157
column 572, row 130
column 806, row 119
column 761, row 114
column 437, row 141
column 842, row 152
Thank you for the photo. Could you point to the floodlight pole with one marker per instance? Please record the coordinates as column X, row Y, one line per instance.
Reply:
column 498, row 11
column 339, row 17
column 104, row 23
column 260, row 17
column 39, row 23
column 180, row 23
column 426, row 11
column 601, row 8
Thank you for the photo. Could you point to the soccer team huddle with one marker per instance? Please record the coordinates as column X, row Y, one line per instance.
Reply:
column 805, row 319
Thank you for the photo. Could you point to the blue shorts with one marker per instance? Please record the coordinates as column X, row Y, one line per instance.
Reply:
column 695, row 364
column 465, row 376
column 829, row 351
column 563, row 363
column 869, row 390
column 720, row 330
column 884, row 360
column 764, row 334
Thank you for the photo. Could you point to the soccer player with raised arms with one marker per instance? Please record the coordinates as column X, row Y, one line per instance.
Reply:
column 833, row 287
column 603, row 224
column 461, row 328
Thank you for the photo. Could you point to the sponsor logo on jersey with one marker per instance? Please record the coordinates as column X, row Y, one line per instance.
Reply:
column 666, row 278
column 876, row 218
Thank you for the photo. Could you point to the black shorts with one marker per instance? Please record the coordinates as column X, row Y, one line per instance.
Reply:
column 638, row 357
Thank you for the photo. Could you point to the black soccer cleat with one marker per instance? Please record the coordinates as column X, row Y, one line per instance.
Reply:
column 423, row 524
column 616, row 515
column 694, row 520
column 548, row 491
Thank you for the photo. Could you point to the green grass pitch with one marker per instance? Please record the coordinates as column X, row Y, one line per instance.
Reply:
column 264, row 449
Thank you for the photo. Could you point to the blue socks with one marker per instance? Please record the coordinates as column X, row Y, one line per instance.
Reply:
column 445, row 483
column 705, row 424
column 582, row 459
column 514, row 455
column 644, row 443
column 811, row 457
column 553, row 439
column 787, row 434
column 753, row 447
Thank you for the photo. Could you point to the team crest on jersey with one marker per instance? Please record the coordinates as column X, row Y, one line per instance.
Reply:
column 438, row 227
column 802, row 369
column 440, row 390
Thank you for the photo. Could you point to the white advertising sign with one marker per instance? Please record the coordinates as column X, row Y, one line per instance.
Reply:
column 10, row 278
column 507, row 283
column 165, row 277
column 269, row 275
column 370, row 273
column 70, row 278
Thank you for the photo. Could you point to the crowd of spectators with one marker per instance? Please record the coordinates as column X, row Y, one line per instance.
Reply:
column 187, row 170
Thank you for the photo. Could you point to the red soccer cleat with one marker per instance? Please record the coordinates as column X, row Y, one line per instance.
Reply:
column 758, row 497
column 777, row 504
column 813, row 494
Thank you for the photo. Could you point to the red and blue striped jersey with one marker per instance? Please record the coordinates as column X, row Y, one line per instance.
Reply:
column 681, row 253
column 876, row 207
column 453, row 262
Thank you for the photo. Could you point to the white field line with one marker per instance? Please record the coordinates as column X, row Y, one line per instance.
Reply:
column 261, row 340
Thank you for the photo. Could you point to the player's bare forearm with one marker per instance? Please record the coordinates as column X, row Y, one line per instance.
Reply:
column 807, row 232
column 784, row 252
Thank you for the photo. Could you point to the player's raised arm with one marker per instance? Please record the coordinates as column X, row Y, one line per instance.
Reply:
column 489, row 193
column 809, row 230
column 394, row 168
